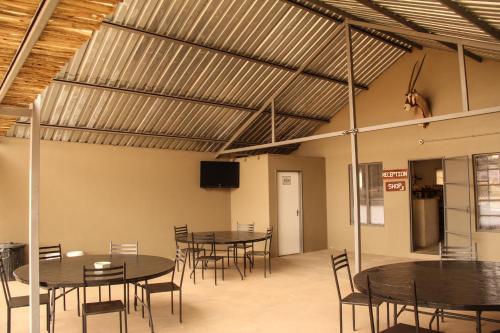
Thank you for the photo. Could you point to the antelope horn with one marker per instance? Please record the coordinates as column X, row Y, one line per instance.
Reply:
column 411, row 77
column 418, row 72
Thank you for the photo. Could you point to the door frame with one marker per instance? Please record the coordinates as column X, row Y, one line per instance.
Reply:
column 410, row 193
column 301, row 209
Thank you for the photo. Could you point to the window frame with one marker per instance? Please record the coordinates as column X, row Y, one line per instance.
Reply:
column 476, row 194
column 349, row 177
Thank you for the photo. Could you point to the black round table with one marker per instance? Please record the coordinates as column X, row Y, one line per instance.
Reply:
column 450, row 285
column 227, row 238
column 68, row 272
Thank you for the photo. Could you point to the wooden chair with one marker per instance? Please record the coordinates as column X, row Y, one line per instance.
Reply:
column 164, row 287
column 181, row 233
column 123, row 249
column 18, row 301
column 250, row 227
column 207, row 240
column 54, row 252
column 468, row 253
column 409, row 297
column 354, row 298
column 93, row 277
column 266, row 252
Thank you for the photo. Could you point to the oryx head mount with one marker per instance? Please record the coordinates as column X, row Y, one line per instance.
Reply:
column 414, row 100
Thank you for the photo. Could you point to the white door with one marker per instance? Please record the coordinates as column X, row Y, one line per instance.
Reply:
column 289, row 213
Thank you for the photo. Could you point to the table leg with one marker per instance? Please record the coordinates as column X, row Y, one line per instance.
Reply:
column 53, row 309
column 478, row 321
column 395, row 314
column 235, row 259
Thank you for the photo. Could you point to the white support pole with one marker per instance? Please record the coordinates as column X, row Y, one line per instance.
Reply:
column 34, row 215
column 273, row 123
column 463, row 78
column 354, row 151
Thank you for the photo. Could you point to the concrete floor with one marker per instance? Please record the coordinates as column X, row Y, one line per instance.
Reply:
column 299, row 296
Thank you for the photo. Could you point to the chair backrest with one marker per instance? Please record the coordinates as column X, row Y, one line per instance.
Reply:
column 127, row 248
column 250, row 227
column 180, row 257
column 269, row 240
column 458, row 252
column 338, row 263
column 113, row 275
column 204, row 239
column 3, row 276
column 180, row 233
column 405, row 294
column 52, row 252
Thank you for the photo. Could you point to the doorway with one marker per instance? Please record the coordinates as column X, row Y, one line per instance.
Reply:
column 289, row 212
column 427, row 205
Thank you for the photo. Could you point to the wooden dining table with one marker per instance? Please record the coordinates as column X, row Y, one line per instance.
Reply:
column 445, row 285
column 68, row 272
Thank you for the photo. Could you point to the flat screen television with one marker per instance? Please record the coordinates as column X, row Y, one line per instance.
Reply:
column 214, row 174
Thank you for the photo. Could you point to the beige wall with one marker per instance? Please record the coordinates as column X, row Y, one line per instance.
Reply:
column 93, row 194
column 256, row 199
column 383, row 103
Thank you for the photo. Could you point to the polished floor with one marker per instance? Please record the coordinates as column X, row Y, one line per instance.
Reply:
column 299, row 296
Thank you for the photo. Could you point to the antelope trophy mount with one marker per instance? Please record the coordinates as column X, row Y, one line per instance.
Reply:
column 414, row 100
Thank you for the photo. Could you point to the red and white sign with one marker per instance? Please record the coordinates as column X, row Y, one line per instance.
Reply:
column 395, row 174
column 397, row 186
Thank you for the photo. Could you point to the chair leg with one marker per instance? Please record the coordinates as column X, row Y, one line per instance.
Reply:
column 64, row 298
column 215, row 270
column 100, row 298
column 126, row 326
column 47, row 314
column 340, row 318
column 180, row 305
column 228, row 256
column 353, row 318
column 269, row 258
column 120, row 315
column 109, row 292
column 142, row 303
column 84, row 323
column 388, row 319
column 378, row 319
column 128, row 297
column 78, row 301
column 244, row 260
column 135, row 297
column 265, row 267
column 172, row 302
column 8, row 320
column 148, row 295
column 222, row 269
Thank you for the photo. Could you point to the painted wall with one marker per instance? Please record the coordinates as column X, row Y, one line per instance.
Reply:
column 256, row 199
column 382, row 103
column 93, row 194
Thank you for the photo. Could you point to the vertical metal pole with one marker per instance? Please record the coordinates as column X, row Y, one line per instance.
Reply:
column 273, row 123
column 463, row 78
column 34, row 209
column 354, row 151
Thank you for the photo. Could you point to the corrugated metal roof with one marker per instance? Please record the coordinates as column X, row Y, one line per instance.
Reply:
column 220, row 61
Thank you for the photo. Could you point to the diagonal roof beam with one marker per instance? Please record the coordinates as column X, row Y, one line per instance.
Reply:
column 398, row 18
column 184, row 99
column 343, row 13
column 132, row 133
column 229, row 54
column 281, row 88
column 472, row 18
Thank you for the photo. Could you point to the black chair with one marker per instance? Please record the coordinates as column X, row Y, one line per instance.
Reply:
column 250, row 227
column 54, row 252
column 206, row 240
column 266, row 253
column 164, row 287
column 181, row 233
column 354, row 298
column 18, row 301
column 408, row 296
column 95, row 277
column 124, row 249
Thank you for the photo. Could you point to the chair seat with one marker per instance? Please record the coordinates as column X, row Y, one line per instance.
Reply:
column 160, row 287
column 240, row 246
column 23, row 301
column 211, row 258
column 404, row 328
column 360, row 299
column 103, row 307
column 257, row 253
column 187, row 249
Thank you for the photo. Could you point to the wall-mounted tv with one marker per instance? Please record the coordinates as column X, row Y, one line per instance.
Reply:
column 214, row 174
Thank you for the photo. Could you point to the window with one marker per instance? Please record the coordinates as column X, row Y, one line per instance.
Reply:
column 487, row 185
column 371, row 194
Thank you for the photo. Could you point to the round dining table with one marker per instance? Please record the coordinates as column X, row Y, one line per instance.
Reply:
column 68, row 272
column 445, row 285
column 225, row 238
